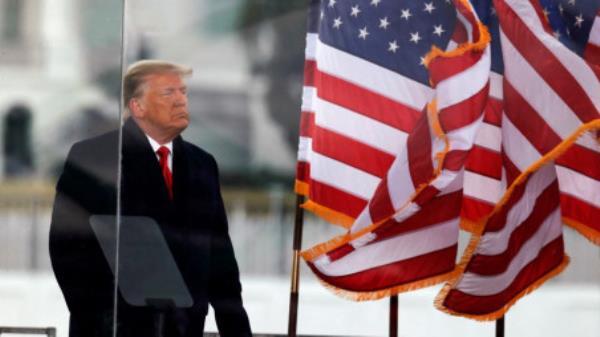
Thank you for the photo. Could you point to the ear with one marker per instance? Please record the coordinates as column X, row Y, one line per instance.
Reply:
column 136, row 108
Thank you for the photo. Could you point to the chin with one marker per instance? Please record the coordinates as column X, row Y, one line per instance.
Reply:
column 182, row 124
column 181, row 120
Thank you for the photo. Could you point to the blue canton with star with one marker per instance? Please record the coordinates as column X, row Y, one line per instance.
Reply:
column 571, row 21
column 394, row 34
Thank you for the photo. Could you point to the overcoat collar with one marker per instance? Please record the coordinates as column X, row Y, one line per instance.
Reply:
column 138, row 153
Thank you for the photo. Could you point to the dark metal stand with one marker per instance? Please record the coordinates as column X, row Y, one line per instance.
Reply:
column 500, row 327
column 159, row 324
column 161, row 307
column 297, row 246
column 394, row 316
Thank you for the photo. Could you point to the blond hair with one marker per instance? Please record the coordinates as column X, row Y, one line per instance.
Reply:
column 134, row 79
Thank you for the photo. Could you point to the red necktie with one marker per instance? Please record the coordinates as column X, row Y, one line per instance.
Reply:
column 163, row 155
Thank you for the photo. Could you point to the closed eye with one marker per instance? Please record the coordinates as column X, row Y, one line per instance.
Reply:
column 169, row 92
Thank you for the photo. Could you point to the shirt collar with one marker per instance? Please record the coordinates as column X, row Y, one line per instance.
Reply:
column 155, row 145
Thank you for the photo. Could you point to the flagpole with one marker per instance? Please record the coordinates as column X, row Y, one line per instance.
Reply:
column 394, row 316
column 295, row 278
column 500, row 327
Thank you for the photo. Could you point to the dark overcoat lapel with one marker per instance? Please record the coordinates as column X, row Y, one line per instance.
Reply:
column 187, row 220
column 142, row 181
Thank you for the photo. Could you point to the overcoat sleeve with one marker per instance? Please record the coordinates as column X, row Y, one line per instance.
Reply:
column 224, row 282
column 79, row 265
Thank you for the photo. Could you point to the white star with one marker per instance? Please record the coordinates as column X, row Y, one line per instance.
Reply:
column 355, row 11
column 415, row 37
column 331, row 3
column 363, row 33
column 578, row 20
column 429, row 7
column 375, row 2
column 561, row 9
column 322, row 15
column 493, row 11
column 438, row 30
column 393, row 46
column 337, row 22
column 422, row 62
column 546, row 13
column 556, row 34
column 572, row 2
column 384, row 23
column 406, row 14
column 568, row 32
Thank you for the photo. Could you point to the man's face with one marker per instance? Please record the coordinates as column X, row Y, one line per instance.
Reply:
column 163, row 104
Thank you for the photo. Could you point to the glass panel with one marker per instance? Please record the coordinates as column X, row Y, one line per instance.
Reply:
column 176, row 255
column 55, row 93
column 244, row 100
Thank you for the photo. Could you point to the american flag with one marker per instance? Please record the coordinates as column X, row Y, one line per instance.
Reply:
column 483, row 183
column 365, row 61
column 592, row 49
column 369, row 160
column 550, row 152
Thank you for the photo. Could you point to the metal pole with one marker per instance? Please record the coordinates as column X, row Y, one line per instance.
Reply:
column 394, row 316
column 500, row 327
column 34, row 238
column 50, row 332
column 297, row 245
column 124, row 44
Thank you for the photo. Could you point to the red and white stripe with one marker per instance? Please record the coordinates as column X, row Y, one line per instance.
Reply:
column 347, row 117
column 547, row 102
column 546, row 105
column 406, row 237
column 484, row 182
column 521, row 245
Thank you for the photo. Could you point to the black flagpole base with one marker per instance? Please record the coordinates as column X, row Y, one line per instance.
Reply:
column 394, row 316
column 500, row 327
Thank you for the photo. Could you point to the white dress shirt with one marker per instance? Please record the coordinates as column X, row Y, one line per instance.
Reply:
column 155, row 146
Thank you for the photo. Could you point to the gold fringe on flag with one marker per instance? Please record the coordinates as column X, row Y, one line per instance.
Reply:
column 476, row 237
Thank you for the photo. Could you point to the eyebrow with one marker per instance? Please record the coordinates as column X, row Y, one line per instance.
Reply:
column 168, row 89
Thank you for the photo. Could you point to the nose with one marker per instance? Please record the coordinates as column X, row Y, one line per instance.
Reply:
column 181, row 99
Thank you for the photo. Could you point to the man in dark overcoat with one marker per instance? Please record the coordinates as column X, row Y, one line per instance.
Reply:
column 163, row 177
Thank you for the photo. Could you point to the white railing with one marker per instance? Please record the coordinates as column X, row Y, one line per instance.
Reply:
column 262, row 242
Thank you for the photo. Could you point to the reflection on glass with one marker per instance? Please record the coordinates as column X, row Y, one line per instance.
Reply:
column 87, row 186
column 52, row 94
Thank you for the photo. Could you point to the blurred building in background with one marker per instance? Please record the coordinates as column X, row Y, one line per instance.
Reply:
column 60, row 75
column 61, row 69
column 48, row 97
